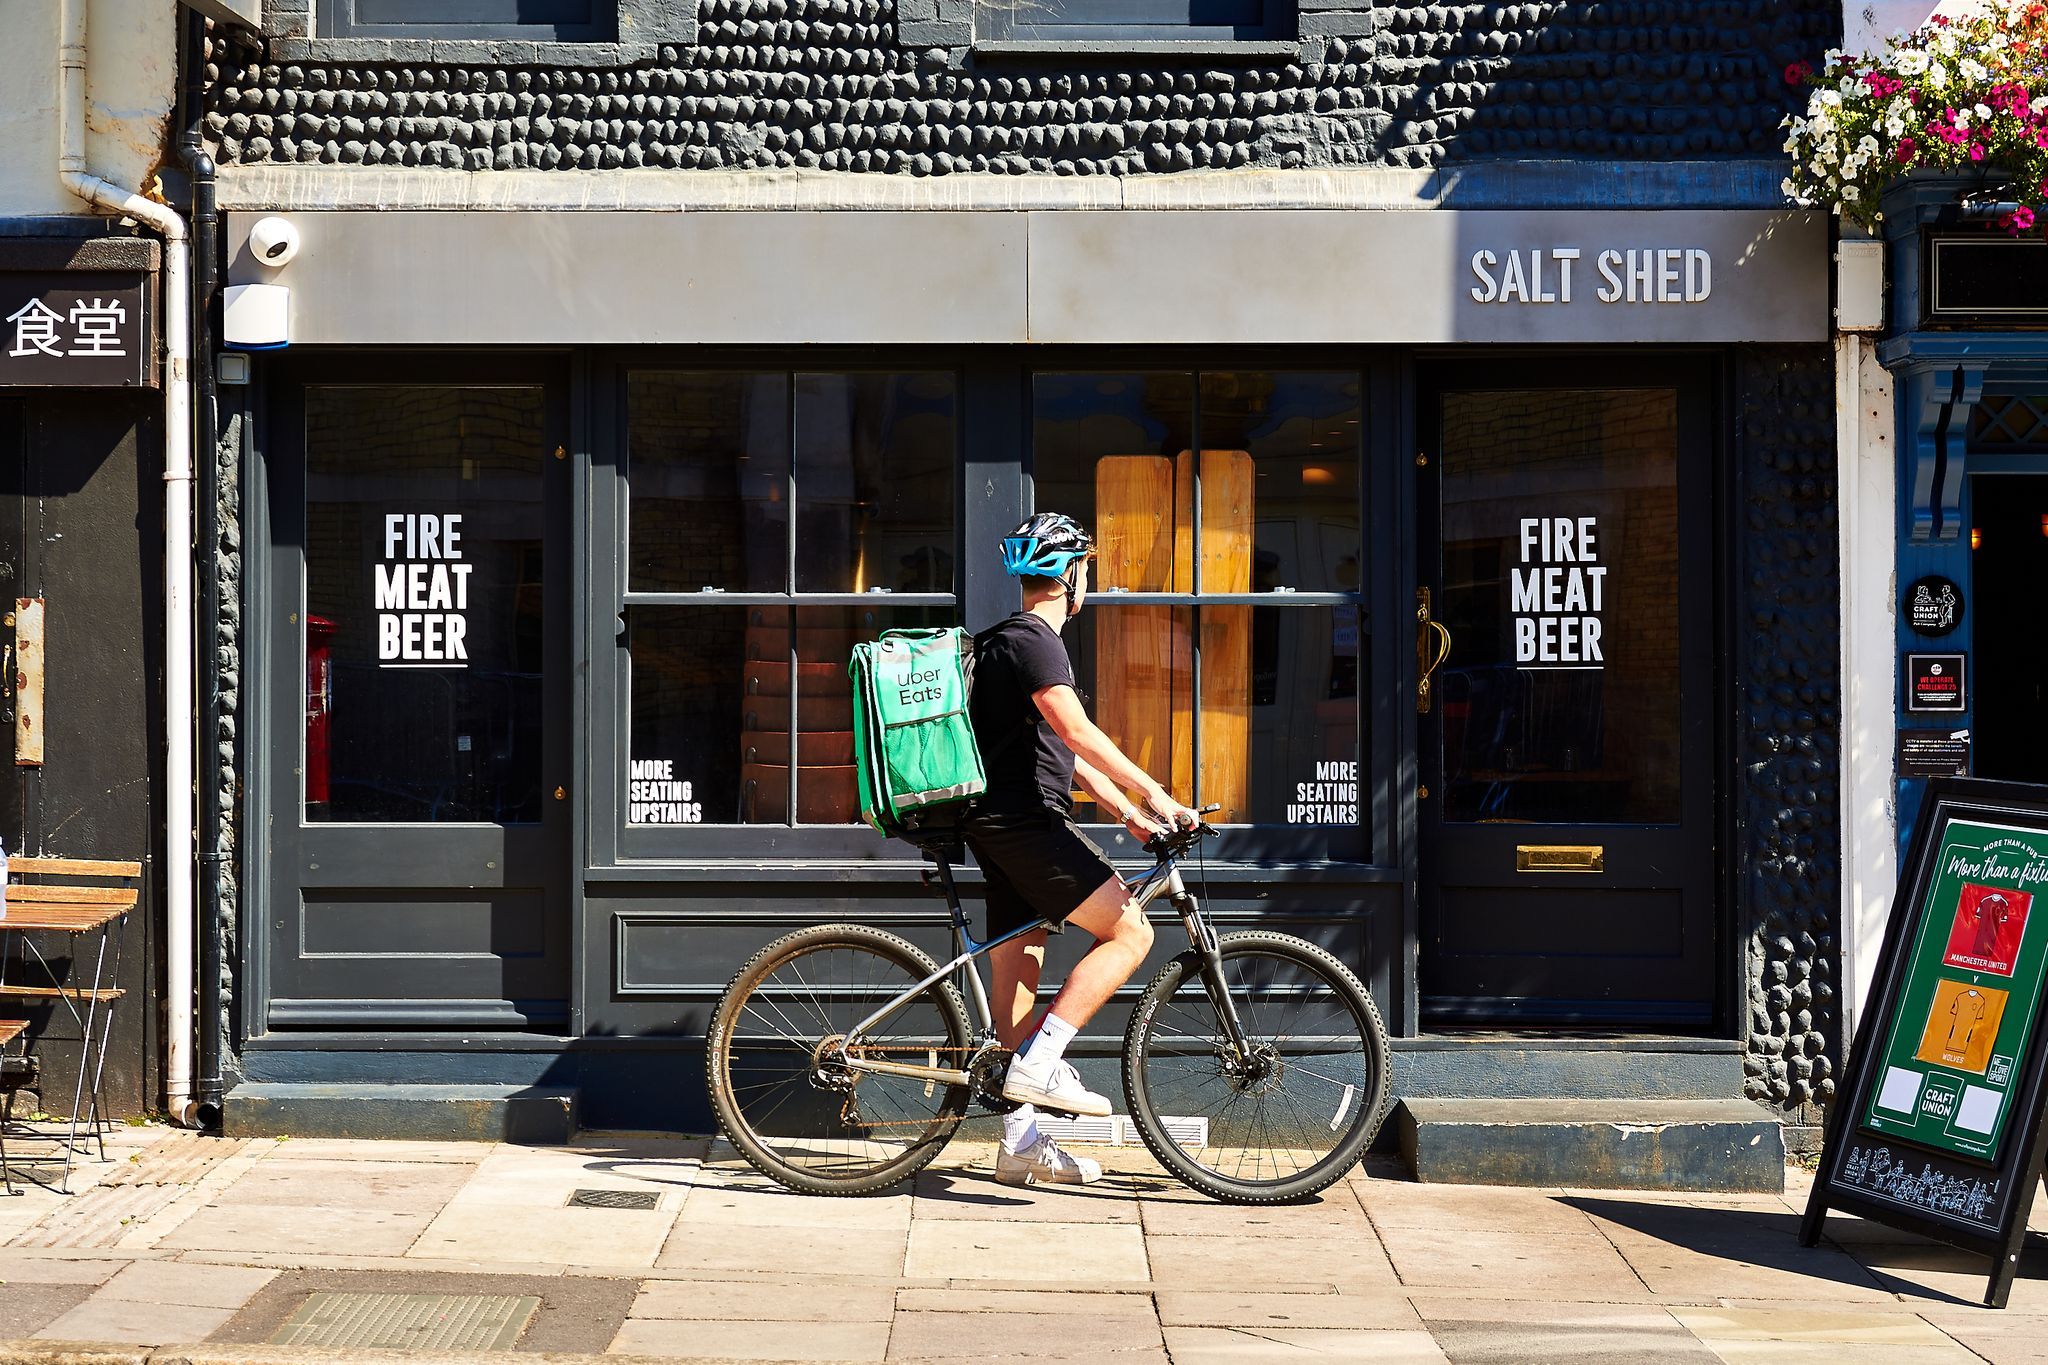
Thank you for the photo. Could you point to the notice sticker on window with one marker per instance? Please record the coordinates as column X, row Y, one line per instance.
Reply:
column 654, row 795
column 1331, row 799
column 422, row 593
column 1558, row 594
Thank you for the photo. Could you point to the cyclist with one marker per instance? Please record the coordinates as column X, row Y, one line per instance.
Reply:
column 1037, row 742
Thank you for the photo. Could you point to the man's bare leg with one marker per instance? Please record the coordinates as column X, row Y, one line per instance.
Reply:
column 1123, row 938
column 1013, row 986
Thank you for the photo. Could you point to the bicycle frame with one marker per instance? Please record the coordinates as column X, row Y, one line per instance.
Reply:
column 1163, row 879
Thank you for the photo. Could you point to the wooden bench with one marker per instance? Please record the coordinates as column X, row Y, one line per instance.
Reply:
column 70, row 896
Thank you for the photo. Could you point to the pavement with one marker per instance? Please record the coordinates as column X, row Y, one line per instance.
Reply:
column 184, row 1248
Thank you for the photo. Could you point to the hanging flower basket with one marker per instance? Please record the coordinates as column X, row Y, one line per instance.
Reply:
column 1958, row 97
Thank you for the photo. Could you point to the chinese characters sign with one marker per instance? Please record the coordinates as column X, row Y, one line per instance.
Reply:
column 75, row 329
column 1970, row 996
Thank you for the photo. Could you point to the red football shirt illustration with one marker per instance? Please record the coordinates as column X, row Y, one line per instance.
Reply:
column 1990, row 922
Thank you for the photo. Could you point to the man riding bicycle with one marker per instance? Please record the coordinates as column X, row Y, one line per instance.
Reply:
column 1037, row 742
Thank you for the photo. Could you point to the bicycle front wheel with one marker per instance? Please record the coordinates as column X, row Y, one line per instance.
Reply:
column 777, row 1063
column 1280, row 1117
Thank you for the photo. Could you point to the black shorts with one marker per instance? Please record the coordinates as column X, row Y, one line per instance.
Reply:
column 1037, row 866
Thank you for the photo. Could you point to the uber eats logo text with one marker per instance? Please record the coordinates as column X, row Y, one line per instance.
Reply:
column 1558, row 593
column 422, row 593
column 915, row 685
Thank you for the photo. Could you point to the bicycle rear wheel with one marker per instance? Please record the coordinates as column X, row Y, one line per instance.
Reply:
column 776, row 1064
column 1284, row 1116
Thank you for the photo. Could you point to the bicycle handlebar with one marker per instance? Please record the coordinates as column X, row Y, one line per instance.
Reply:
column 1173, row 843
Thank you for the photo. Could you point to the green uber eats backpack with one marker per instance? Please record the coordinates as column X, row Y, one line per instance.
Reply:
column 913, row 744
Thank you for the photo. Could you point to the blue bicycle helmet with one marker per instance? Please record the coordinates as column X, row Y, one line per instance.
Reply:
column 1045, row 546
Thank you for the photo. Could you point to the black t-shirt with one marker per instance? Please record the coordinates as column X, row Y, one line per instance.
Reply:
column 1029, row 766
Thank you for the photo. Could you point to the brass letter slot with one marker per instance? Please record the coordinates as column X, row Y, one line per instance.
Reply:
column 1560, row 857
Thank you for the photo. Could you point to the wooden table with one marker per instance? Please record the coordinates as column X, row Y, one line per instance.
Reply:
column 37, row 906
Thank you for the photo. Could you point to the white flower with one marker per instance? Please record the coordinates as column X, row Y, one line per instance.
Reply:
column 1984, row 113
column 1962, row 118
column 1829, row 98
column 2039, row 104
column 1911, row 62
column 1937, row 76
column 1974, row 71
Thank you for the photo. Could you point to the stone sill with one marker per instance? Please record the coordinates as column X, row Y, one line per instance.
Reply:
column 1256, row 49
column 463, row 51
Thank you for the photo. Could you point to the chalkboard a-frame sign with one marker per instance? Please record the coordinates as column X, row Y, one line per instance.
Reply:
column 1937, row 1127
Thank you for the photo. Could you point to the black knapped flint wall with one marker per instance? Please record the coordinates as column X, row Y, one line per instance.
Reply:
column 834, row 85
column 1787, row 723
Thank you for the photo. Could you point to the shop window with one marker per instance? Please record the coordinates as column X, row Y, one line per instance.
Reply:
column 1223, row 643
column 775, row 519
column 566, row 21
column 1561, row 581
column 1126, row 20
column 423, row 604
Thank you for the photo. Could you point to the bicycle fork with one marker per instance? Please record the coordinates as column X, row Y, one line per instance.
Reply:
column 1203, row 939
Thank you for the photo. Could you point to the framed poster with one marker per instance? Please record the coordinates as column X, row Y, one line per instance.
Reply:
column 1937, row 1125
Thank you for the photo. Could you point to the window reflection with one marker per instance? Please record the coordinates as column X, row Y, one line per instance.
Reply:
column 874, row 480
column 709, row 468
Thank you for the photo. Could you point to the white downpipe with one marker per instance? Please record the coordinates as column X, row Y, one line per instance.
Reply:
column 180, row 716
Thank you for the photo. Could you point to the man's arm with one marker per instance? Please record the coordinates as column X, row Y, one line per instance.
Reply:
column 1062, row 710
column 1112, row 799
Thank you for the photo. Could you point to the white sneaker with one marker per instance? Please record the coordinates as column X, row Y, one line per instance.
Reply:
column 1043, row 1163
column 1058, row 1088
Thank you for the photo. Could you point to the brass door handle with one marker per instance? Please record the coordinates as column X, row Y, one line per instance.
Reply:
column 1428, row 632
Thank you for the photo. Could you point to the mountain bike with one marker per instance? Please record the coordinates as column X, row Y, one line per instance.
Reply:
column 842, row 1059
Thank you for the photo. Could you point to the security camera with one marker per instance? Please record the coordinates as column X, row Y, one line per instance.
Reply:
column 273, row 241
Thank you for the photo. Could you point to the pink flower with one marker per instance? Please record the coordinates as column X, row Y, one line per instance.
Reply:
column 2020, row 220
column 1976, row 151
column 1797, row 72
column 1907, row 146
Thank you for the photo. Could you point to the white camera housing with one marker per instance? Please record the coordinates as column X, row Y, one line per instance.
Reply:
column 273, row 241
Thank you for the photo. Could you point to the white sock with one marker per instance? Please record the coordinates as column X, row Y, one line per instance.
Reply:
column 1049, row 1044
column 1020, row 1129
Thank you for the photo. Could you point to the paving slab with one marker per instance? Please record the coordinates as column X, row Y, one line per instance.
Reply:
column 728, row 1206
column 1075, row 1253
column 371, row 1232
column 388, row 1149
column 919, row 1336
column 1254, row 1312
column 626, row 1238
column 956, row 1194
column 1834, row 1353
column 1132, row 1305
column 1951, row 1276
column 754, row 1340
column 1226, row 1346
column 787, row 1253
column 1793, row 1272
column 131, row 1323
column 1517, row 1343
column 2006, row 1337
column 1334, row 1214
column 18, row 1268
column 187, row 1285
column 1749, row 1324
column 1474, row 1208
column 26, row 1309
column 1286, row 1264
column 1574, row 1265
column 400, row 1186
column 758, row 1301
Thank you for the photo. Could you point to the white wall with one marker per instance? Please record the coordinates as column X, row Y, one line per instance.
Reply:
column 1866, row 456
column 131, row 87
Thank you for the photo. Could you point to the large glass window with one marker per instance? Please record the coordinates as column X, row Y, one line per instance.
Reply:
column 1223, row 645
column 423, row 603
column 1560, row 517
column 776, row 518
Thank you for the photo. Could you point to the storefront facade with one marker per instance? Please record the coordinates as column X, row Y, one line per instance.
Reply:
column 1473, row 549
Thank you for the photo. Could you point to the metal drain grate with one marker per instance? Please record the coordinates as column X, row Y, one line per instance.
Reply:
column 409, row 1322
column 614, row 1199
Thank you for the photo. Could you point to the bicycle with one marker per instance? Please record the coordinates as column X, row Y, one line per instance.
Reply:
column 841, row 1059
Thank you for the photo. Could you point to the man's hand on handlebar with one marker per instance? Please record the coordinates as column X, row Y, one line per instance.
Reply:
column 1170, row 813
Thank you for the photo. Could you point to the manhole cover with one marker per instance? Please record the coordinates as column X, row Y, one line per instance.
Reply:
column 415, row 1322
column 614, row 1199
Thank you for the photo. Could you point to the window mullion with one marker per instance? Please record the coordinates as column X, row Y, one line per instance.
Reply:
column 790, row 650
